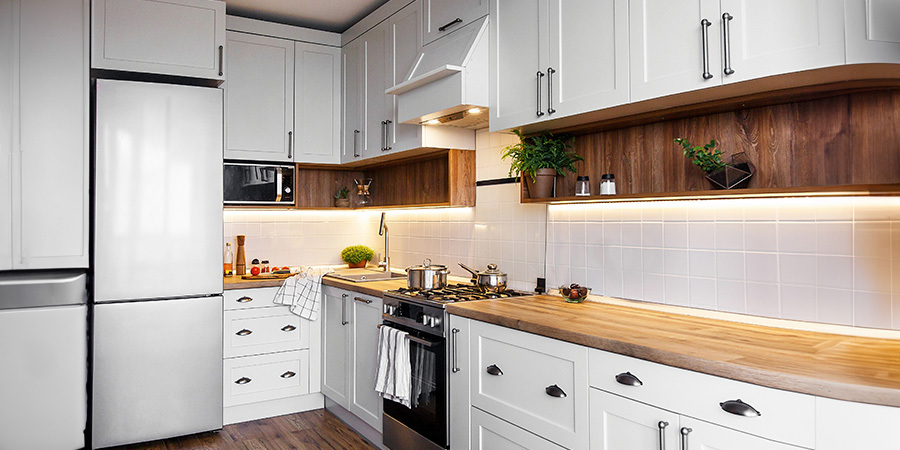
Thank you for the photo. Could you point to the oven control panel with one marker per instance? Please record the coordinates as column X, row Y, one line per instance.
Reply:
column 426, row 318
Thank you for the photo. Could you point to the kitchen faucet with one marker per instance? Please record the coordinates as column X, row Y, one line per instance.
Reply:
column 385, row 260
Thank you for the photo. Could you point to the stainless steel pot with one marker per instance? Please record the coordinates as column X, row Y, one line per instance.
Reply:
column 427, row 276
column 490, row 280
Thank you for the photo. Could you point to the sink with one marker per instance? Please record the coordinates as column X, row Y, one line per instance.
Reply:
column 364, row 275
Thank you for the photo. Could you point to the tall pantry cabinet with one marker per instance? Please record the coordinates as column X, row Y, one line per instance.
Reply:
column 44, row 134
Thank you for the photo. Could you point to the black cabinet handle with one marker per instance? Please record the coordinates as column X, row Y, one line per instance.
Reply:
column 364, row 300
column 661, row 425
column 287, row 328
column 244, row 332
column 244, row 299
column 494, row 370
column 454, row 22
column 555, row 391
column 221, row 58
column 739, row 408
column 704, row 33
column 628, row 379
column 726, row 38
column 288, row 374
column 539, row 76
column 242, row 380
column 550, row 72
column 685, row 431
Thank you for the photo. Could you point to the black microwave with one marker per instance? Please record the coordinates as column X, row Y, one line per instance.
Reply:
column 258, row 184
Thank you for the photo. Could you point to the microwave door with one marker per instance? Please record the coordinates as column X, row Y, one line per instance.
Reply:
column 279, row 177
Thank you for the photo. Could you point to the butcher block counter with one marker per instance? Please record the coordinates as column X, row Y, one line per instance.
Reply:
column 374, row 288
column 861, row 368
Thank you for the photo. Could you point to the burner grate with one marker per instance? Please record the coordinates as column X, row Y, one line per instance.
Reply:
column 455, row 293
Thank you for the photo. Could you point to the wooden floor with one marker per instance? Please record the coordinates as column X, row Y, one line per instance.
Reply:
column 317, row 429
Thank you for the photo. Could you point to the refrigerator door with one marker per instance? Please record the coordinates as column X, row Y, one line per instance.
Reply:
column 157, row 369
column 158, row 209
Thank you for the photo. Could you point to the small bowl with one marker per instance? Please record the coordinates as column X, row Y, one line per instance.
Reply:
column 582, row 291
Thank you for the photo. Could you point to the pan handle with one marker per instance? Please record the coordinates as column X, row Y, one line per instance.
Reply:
column 474, row 273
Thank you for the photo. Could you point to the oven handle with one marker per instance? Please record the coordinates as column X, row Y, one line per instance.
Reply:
column 419, row 340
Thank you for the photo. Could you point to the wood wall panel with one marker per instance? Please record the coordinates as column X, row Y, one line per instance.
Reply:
column 851, row 139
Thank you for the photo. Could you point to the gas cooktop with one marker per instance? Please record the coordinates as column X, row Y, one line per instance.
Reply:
column 452, row 293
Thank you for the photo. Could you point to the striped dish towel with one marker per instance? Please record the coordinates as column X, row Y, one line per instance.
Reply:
column 393, row 377
column 303, row 292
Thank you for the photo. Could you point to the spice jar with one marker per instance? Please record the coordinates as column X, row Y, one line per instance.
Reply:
column 265, row 266
column 582, row 186
column 607, row 184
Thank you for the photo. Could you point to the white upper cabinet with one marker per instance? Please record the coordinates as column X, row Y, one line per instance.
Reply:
column 317, row 103
column 171, row 37
column 518, row 60
column 872, row 32
column 377, row 58
column 353, row 107
column 588, row 67
column 770, row 37
column 44, row 149
column 675, row 46
column 404, row 45
column 259, row 98
column 442, row 17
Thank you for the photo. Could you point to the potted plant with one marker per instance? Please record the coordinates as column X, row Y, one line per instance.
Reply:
column 539, row 159
column 342, row 197
column 732, row 175
column 356, row 256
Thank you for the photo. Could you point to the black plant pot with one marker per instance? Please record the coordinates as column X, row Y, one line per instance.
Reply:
column 735, row 175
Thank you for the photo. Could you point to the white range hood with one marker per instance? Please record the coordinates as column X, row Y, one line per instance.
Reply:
column 448, row 84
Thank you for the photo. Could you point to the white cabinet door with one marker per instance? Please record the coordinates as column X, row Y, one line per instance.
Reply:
column 667, row 46
column 183, row 37
column 259, row 98
column 404, row 45
column 317, row 103
column 336, row 345
column 618, row 423
column 365, row 403
column 491, row 433
column 588, row 54
column 8, row 68
column 460, row 409
column 843, row 425
column 442, row 17
column 700, row 435
column 872, row 32
column 354, row 106
column 518, row 62
column 377, row 57
column 50, row 157
column 770, row 37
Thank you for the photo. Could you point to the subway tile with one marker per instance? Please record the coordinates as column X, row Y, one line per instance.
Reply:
column 702, row 211
column 872, row 240
column 703, row 293
column 652, row 213
column 834, row 238
column 654, row 288
column 678, row 290
column 729, row 210
column 895, row 241
column 612, row 282
column 594, row 256
column 839, row 209
column 676, row 262
column 872, row 275
column 895, row 309
column 760, row 236
column 593, row 233
column 675, row 212
column 632, row 258
column 763, row 299
column 631, row 212
column 612, row 257
column 701, row 235
column 702, row 263
column 872, row 209
column 675, row 235
column 796, row 209
column 653, row 260
column 871, row 309
column 652, row 234
column 762, row 267
column 798, row 303
column 731, row 296
column 730, row 266
column 835, row 306
column 797, row 269
column 577, row 255
column 594, row 280
column 631, row 233
column 577, row 235
column 796, row 237
column 576, row 275
column 835, row 272
column 633, row 285
column 612, row 233
column 759, row 210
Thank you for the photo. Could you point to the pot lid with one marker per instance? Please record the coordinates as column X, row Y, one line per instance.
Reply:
column 427, row 265
column 491, row 270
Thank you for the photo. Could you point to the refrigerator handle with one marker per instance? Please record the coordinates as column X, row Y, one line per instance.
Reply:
column 279, row 183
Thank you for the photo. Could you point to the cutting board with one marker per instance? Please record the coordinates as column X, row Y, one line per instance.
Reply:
column 267, row 276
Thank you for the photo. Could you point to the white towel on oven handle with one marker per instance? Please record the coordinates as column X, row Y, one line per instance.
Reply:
column 393, row 377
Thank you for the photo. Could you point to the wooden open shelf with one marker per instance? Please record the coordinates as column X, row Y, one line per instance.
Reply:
column 442, row 178
column 847, row 144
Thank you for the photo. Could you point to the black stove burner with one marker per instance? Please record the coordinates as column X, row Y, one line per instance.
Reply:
column 455, row 293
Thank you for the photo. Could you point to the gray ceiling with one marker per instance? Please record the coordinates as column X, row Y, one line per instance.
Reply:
column 328, row 15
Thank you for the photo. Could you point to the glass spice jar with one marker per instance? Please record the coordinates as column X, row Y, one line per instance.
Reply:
column 582, row 186
column 607, row 184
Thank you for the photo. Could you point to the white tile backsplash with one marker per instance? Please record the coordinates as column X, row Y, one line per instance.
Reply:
column 829, row 260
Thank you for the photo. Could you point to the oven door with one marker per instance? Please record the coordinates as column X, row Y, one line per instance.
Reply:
column 427, row 418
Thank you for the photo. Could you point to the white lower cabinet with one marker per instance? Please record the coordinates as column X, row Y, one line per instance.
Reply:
column 271, row 357
column 459, row 384
column 844, row 425
column 492, row 433
column 350, row 340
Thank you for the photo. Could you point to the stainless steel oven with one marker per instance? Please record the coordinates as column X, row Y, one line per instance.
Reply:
column 258, row 184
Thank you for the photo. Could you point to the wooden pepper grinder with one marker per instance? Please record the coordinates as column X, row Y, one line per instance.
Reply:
column 240, row 263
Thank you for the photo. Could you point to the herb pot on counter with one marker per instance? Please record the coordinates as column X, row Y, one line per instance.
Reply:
column 427, row 276
column 490, row 280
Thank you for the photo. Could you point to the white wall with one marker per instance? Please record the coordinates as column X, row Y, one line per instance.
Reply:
column 829, row 260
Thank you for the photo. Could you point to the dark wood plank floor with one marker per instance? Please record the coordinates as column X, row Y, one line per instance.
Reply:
column 317, row 429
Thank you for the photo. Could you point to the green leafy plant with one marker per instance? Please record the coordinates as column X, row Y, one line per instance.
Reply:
column 707, row 157
column 355, row 254
column 544, row 151
column 343, row 192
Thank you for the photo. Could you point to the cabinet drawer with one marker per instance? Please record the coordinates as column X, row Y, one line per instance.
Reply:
column 783, row 416
column 253, row 331
column 265, row 377
column 534, row 382
column 491, row 433
column 250, row 298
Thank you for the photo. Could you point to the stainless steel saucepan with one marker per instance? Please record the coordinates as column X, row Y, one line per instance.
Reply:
column 490, row 280
column 427, row 276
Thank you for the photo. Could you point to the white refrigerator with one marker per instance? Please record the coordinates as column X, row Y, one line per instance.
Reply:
column 157, row 248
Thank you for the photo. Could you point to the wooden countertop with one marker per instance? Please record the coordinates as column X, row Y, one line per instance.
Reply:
column 236, row 282
column 845, row 367
column 374, row 288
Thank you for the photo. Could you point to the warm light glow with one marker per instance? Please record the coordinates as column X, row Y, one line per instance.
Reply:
column 433, row 122
column 474, row 110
